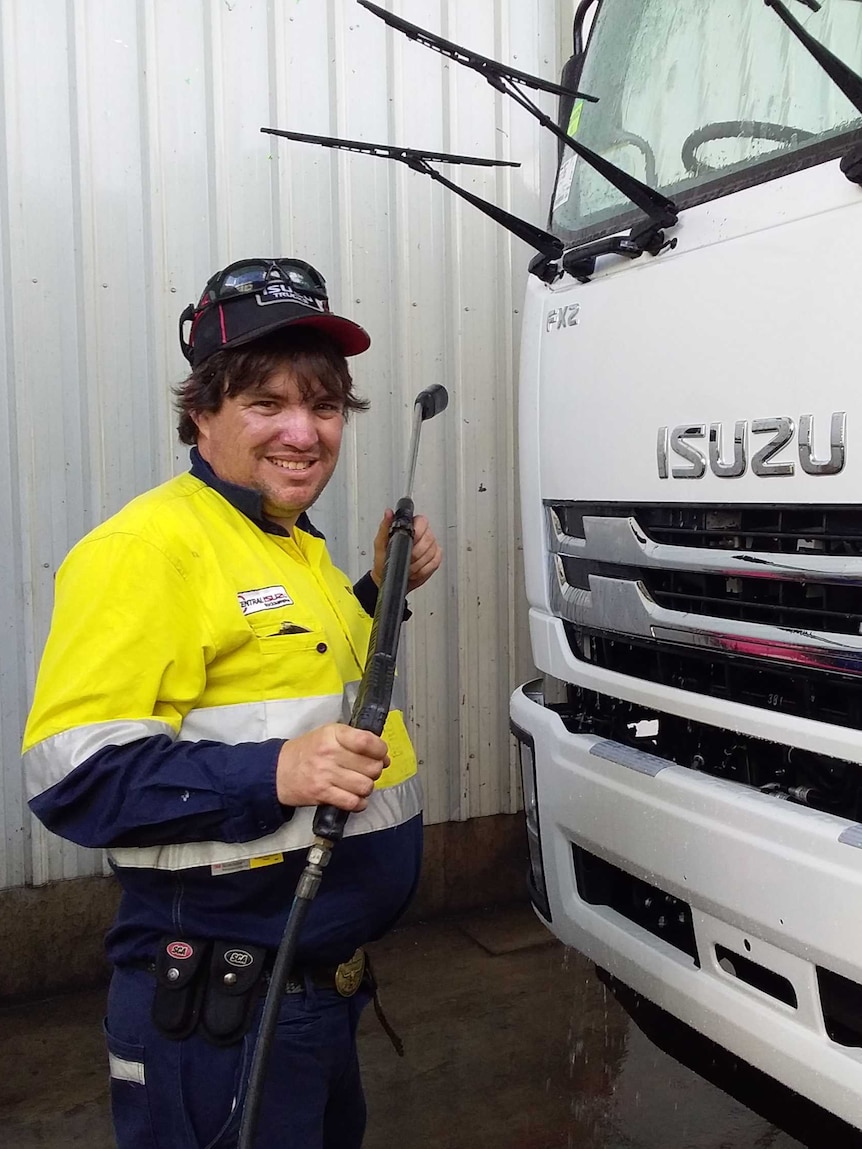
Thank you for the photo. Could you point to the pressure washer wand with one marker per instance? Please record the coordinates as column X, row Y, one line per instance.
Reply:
column 369, row 713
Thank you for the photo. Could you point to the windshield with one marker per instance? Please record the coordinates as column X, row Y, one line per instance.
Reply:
column 700, row 97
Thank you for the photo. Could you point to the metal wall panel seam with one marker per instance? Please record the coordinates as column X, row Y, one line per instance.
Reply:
column 73, row 859
column 505, row 477
column 366, row 263
column 176, row 80
column 449, row 801
column 339, row 170
column 399, row 333
column 432, row 342
column 276, row 225
column 47, row 314
column 523, row 129
column 406, row 124
column 151, row 372
column 15, row 859
column 240, row 166
column 157, row 276
column 474, row 123
column 451, row 784
column 214, row 128
column 14, row 131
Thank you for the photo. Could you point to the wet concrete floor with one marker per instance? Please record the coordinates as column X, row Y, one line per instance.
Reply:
column 511, row 1043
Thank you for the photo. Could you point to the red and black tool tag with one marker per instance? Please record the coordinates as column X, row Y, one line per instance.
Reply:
column 180, row 984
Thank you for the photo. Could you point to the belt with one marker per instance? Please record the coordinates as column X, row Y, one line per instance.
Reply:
column 175, row 1012
column 346, row 977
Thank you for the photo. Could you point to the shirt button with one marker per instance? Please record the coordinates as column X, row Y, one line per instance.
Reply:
column 321, row 648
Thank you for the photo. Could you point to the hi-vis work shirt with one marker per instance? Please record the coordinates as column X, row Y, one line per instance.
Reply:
column 190, row 638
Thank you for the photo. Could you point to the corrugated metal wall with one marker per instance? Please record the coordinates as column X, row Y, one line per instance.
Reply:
column 131, row 167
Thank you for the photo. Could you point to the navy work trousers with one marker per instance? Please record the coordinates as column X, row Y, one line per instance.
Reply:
column 189, row 1094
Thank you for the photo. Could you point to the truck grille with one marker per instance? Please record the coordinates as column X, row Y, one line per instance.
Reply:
column 760, row 605
column 777, row 530
column 796, row 605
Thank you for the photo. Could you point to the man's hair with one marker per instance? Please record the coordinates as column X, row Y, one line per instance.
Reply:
column 315, row 361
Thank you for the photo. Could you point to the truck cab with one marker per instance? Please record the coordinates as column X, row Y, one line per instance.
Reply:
column 690, row 438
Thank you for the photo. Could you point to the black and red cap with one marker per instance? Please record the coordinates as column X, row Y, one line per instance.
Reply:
column 255, row 297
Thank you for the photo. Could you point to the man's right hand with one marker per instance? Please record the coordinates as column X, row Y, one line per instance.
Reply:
column 334, row 765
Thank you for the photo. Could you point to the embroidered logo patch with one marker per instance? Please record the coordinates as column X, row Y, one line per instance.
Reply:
column 265, row 598
column 179, row 951
column 239, row 958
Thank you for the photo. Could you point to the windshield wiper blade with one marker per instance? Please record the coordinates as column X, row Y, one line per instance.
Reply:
column 847, row 80
column 548, row 246
column 471, row 59
column 390, row 151
column 660, row 210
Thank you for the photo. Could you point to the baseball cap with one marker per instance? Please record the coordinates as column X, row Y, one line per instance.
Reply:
column 253, row 298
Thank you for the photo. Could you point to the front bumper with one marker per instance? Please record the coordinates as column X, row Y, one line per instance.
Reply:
column 763, row 879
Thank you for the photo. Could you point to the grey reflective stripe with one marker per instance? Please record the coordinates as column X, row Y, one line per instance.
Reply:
column 399, row 695
column 351, row 689
column 387, row 807
column 274, row 718
column 123, row 1070
column 49, row 762
column 257, row 721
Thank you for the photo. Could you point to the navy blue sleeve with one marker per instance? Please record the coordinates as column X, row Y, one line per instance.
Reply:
column 366, row 591
column 157, row 792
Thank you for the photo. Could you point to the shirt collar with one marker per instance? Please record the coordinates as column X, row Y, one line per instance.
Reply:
column 246, row 500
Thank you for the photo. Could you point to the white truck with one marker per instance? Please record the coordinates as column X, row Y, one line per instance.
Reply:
column 691, row 484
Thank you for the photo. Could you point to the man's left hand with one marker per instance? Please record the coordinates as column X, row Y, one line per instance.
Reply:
column 425, row 559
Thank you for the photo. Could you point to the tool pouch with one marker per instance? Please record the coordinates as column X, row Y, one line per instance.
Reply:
column 180, row 968
column 232, row 991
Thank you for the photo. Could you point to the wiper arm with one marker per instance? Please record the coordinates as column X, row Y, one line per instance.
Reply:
column 548, row 246
column 661, row 210
column 846, row 79
column 469, row 58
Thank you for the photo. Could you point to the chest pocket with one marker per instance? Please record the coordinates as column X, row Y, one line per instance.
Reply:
column 296, row 661
column 286, row 629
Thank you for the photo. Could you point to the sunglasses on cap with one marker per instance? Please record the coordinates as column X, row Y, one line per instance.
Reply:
column 254, row 275
column 254, row 297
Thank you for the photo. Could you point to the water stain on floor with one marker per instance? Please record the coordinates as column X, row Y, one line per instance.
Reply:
column 512, row 1042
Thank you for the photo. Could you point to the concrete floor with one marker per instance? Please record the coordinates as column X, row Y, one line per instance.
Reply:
column 511, row 1043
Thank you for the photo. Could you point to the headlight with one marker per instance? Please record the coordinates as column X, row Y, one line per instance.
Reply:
column 536, row 875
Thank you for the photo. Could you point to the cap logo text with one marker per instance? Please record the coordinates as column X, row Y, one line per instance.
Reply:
column 279, row 292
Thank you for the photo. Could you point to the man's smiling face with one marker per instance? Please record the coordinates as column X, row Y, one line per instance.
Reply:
column 277, row 438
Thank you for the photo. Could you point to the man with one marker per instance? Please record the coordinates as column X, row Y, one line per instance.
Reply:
column 190, row 714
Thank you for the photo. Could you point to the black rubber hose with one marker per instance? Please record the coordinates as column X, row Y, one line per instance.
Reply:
column 369, row 713
column 269, row 1019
